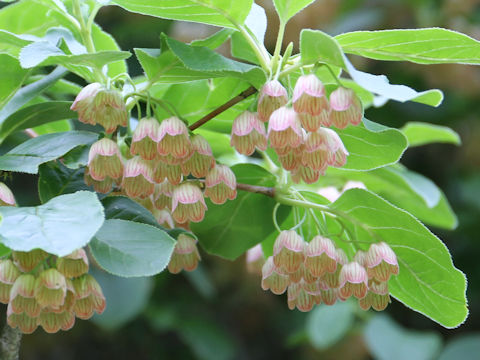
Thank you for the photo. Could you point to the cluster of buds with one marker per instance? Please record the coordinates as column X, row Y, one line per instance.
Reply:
column 300, row 135
column 42, row 291
column 317, row 272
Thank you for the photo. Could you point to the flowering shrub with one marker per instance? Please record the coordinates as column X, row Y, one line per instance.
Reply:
column 150, row 181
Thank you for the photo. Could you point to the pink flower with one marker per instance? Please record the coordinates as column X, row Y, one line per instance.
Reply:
column 248, row 133
column 145, row 139
column 284, row 129
column 310, row 102
column 288, row 251
column 381, row 262
column 273, row 278
column 6, row 196
column 272, row 96
column 353, row 281
column 320, row 256
column 185, row 255
column 188, row 203
column 346, row 108
column 221, row 184
column 173, row 138
column 202, row 159
column 138, row 178
column 105, row 160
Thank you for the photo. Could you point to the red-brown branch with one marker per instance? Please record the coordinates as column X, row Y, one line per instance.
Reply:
column 264, row 190
column 242, row 96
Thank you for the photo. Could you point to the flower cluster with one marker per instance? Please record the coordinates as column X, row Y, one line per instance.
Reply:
column 300, row 135
column 43, row 291
column 317, row 272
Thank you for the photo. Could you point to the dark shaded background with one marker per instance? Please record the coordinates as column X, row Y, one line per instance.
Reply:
column 222, row 311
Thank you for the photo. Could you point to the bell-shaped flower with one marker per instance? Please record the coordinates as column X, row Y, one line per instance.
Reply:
column 26, row 261
column 221, row 184
column 110, row 110
column 173, row 138
column 84, row 103
column 6, row 196
column 162, row 196
column 288, row 251
column 299, row 297
column 164, row 218
column 145, row 139
column 105, row 160
column 248, row 133
column 320, row 256
column 353, row 280
column 291, row 160
column 202, row 159
column 169, row 172
column 89, row 297
column 138, row 178
column 332, row 280
column 26, row 324
column 52, row 322
column 104, row 186
column 320, row 148
column 255, row 259
column 8, row 274
column 310, row 102
column 329, row 296
column 74, row 264
column 346, row 108
column 305, row 174
column 188, row 203
column 284, row 129
column 377, row 296
column 185, row 255
column 381, row 262
column 50, row 288
column 302, row 274
column 272, row 96
column 273, row 279
column 22, row 296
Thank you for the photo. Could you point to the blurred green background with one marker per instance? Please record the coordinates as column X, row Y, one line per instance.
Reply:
column 220, row 311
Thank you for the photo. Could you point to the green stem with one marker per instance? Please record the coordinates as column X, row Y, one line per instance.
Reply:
column 260, row 53
column 333, row 75
column 278, row 48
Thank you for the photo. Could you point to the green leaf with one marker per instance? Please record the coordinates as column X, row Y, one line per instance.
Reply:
column 121, row 207
column 13, row 76
column 35, row 115
column 55, row 179
column 288, row 8
column 326, row 325
column 126, row 298
column 27, row 156
column 388, row 341
column 422, row 46
column 419, row 133
column 103, row 41
column 465, row 346
column 131, row 249
column 215, row 40
column 62, row 225
column 372, row 148
column 249, row 219
column 397, row 185
column 11, row 44
column 53, row 127
column 427, row 282
column 317, row 46
column 29, row 92
column 213, row 12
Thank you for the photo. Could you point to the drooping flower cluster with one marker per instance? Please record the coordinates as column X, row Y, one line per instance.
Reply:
column 300, row 135
column 317, row 272
column 42, row 291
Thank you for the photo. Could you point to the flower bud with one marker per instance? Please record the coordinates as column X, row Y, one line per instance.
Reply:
column 381, row 262
column 84, row 103
column 50, row 288
column 138, row 178
column 284, row 129
column 346, row 108
column 272, row 96
column 52, row 322
column 288, row 251
column 273, row 278
column 202, row 159
column 320, row 256
column 8, row 274
column 23, row 322
column 185, row 255
column 173, row 138
column 188, row 203
column 310, row 102
column 353, row 281
column 248, row 133
column 105, row 160
column 145, row 139
column 103, row 186
column 6, row 196
column 26, row 261
column 109, row 110
column 73, row 265
column 221, row 184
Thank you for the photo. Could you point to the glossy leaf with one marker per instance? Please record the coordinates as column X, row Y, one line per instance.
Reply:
column 422, row 46
column 213, row 12
column 27, row 156
column 60, row 226
column 131, row 249
column 419, row 133
column 388, row 341
column 35, row 115
column 428, row 282
column 249, row 219
column 372, row 147
column 55, row 179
